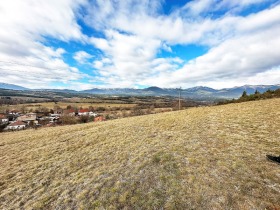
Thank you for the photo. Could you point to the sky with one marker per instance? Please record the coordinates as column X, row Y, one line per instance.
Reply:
column 83, row 44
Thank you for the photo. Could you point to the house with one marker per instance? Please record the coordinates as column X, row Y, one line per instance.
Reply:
column 55, row 115
column 99, row 118
column 70, row 112
column 18, row 125
column 92, row 114
column 53, row 119
column 40, row 114
column 12, row 115
column 14, row 112
column 28, row 118
column 3, row 119
column 83, row 112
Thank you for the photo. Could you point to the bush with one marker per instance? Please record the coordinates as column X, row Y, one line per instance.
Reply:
column 84, row 119
column 68, row 120
column 137, row 111
column 100, row 109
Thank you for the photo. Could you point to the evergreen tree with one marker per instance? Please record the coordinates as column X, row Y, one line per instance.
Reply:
column 244, row 94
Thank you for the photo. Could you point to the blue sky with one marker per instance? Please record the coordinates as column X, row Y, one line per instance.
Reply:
column 82, row 44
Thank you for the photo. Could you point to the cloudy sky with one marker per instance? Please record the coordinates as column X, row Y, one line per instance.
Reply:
column 81, row 44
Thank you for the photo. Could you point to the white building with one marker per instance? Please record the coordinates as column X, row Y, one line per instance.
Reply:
column 92, row 114
column 3, row 119
column 18, row 125
column 27, row 118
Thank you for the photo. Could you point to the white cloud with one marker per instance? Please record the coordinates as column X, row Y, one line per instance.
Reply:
column 82, row 57
column 26, row 25
column 239, row 4
column 240, row 47
column 176, row 28
column 198, row 6
column 131, row 37
column 203, row 7
column 128, row 54
column 236, row 60
column 269, row 77
column 72, row 85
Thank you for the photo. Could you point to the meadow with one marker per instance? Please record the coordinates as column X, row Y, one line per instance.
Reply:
column 63, row 105
column 199, row 158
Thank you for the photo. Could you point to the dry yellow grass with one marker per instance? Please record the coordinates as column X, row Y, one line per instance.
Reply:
column 200, row 158
column 50, row 105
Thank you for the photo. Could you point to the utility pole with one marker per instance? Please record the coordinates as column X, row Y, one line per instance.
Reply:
column 179, row 98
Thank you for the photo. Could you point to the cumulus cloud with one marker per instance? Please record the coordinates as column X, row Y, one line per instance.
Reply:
column 244, row 58
column 240, row 47
column 82, row 57
column 26, row 25
column 134, row 42
column 197, row 7
column 268, row 77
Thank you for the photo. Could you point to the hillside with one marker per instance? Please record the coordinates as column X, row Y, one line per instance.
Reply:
column 200, row 158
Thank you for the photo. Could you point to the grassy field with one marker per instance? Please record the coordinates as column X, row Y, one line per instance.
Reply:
column 50, row 105
column 200, row 158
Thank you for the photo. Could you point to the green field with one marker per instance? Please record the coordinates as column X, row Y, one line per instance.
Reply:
column 200, row 158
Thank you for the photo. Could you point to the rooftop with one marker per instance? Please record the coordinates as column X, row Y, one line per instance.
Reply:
column 17, row 123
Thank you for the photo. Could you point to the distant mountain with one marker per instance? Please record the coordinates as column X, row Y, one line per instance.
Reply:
column 236, row 92
column 113, row 91
column 154, row 89
column 12, row 87
column 201, row 88
column 150, row 91
column 199, row 92
column 57, row 90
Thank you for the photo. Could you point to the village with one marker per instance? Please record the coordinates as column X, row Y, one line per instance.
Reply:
column 16, row 120
column 19, row 114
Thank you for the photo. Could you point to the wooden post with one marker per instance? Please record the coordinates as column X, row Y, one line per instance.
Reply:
column 179, row 98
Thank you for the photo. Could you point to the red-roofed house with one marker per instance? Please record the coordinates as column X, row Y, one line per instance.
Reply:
column 83, row 112
column 70, row 112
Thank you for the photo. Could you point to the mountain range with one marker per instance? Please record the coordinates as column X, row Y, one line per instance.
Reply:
column 12, row 87
column 199, row 92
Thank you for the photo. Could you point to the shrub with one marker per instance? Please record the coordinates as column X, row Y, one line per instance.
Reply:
column 84, row 119
column 68, row 120
column 100, row 109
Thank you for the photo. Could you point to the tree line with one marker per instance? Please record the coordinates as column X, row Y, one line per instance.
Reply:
column 253, row 97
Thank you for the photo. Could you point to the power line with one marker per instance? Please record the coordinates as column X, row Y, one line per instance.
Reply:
column 180, row 98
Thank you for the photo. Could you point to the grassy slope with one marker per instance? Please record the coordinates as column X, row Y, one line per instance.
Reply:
column 211, row 157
